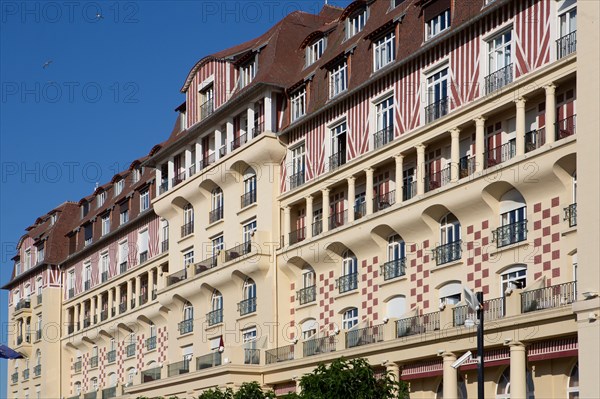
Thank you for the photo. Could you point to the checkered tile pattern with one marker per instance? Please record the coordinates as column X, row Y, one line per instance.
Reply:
column 325, row 297
column 292, row 311
column 120, row 360
column 140, row 352
column 71, row 382
column 546, row 229
column 418, row 274
column 162, row 344
column 102, row 366
column 84, row 367
column 478, row 247
column 369, row 273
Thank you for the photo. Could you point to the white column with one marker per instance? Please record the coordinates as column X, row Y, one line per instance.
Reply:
column 218, row 142
column 250, row 121
column 550, row 113
column 399, row 158
column 518, row 371
column 268, row 114
column 93, row 309
column 450, row 376
column 99, row 307
column 76, row 316
column 150, row 283
column 520, row 104
column 199, row 154
column 286, row 225
column 309, row 216
column 158, row 179
column 351, row 194
column 129, row 294
column 171, row 171
column 479, row 143
column 455, row 154
column 325, row 192
column 230, row 134
column 188, row 162
column 420, row 168
column 117, row 298
column 138, row 289
column 111, row 303
column 369, row 190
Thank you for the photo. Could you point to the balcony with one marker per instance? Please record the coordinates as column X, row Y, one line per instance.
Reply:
column 37, row 370
column 176, row 277
column 307, row 294
column 104, row 277
column 87, row 285
column 122, row 307
column 109, row 393
column 347, row 283
column 38, row 335
column 151, row 375
column 565, row 127
column 206, row 109
column 437, row 109
column 418, row 324
column 208, row 361
column 251, row 356
column 297, row 235
column 248, row 198
column 70, row 328
column 258, row 129
column 90, row 395
column 247, row 306
column 164, row 187
column 164, row 245
column 383, row 201
column 143, row 257
column 179, row 178
column 151, row 343
column 317, row 346
column 77, row 366
column 317, row 227
column 409, row 190
column 566, row 45
column 364, row 336
column 142, row 299
column 14, row 377
column 187, row 229
column 496, row 80
column 383, row 137
column 393, row 269
column 104, row 315
column 360, row 210
column 510, row 233
column 448, row 253
column 123, row 267
column 23, row 304
column 214, row 317
column 502, row 153
column 237, row 251
column 239, row 141
column 535, row 139
column 215, row 215
column 337, row 160
column 493, row 309
column 554, row 296
column 338, row 219
column 571, row 214
column 438, row 179
column 281, row 354
column 186, row 326
column 94, row 361
column 178, row 368
column 86, row 322
column 207, row 160
column 466, row 166
column 111, row 356
column 205, row 265
column 296, row 180
column 25, row 374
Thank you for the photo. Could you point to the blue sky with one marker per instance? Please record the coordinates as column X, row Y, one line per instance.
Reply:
column 115, row 73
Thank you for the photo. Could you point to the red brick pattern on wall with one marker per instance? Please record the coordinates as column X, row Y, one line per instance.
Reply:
column 368, row 286
column 292, row 311
column 546, row 231
column 418, row 275
column 162, row 344
column 476, row 251
column 102, row 366
column 120, row 360
column 140, row 352
column 84, row 367
column 325, row 292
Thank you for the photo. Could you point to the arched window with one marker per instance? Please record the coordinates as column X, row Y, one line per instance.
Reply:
column 216, row 201
column 513, row 219
column 396, row 258
column 77, row 388
column 573, row 386
column 249, row 290
column 307, row 292
column 27, row 292
column 503, row 387
column 396, row 307
column 248, row 304
column 249, row 196
column 462, row 389
column 449, row 249
column 350, row 318
column 188, row 220
column 131, row 372
column 349, row 279
column 216, row 302
column 112, row 380
column 38, row 357
column 514, row 277
column 188, row 312
column 450, row 293
column 309, row 329
column 308, row 277
column 94, row 384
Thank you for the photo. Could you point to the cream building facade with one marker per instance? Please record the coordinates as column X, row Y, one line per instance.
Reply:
column 328, row 191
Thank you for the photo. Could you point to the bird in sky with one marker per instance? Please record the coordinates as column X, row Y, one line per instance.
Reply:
column 47, row 64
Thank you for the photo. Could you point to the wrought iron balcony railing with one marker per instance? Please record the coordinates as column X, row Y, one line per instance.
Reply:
column 247, row 306
column 438, row 179
column 296, row 179
column 258, row 129
column 186, row 326
column 535, row 139
column 318, row 346
column 502, row 153
column 207, row 361
column 297, row 235
column 394, row 268
column 111, row 356
column 307, row 294
column 466, row 166
column 151, row 343
column 143, row 256
column 251, row 356
column 493, row 309
column 206, row 161
column 281, row 354
column 496, row 80
column 187, row 229
column 549, row 297
column 214, row 317
column 510, row 233
column 37, row 370
column 104, row 277
column 94, row 361
column 123, row 267
column 571, row 214
column 130, row 350
column 238, row 251
column 151, row 375
column 383, row 137
column 409, row 190
column 448, row 252
column 206, row 109
column 215, row 215
column 164, row 245
column 437, row 109
column 347, row 283
column 338, row 219
column 418, row 324
column 248, row 198
column 336, row 160
column 176, row 277
column 317, row 227
column 239, row 141
column 565, row 127
column 205, row 265
column 566, row 45
column 364, row 336
column 384, row 200
column 77, row 366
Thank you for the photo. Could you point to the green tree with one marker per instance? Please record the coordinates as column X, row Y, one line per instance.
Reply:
column 349, row 379
column 248, row 390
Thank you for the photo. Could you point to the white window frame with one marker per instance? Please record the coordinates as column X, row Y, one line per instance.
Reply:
column 568, row 22
column 124, row 216
column 509, row 276
column 350, row 318
column 100, row 199
column 349, row 264
column 338, row 79
column 87, row 273
column 248, row 72
column 106, row 224
column 499, row 53
column 104, row 264
column 188, row 258
column 356, row 22
column 309, row 278
column 437, row 24
column 249, row 289
column 144, row 200
column 218, row 244
column 432, row 82
column 449, row 226
column 188, row 214
column 216, row 198
column 384, row 51
column 216, row 301
column 248, row 231
column 188, row 311
column 119, row 186
column 573, row 391
column 298, row 103
column 315, row 50
column 396, row 248
column 123, row 252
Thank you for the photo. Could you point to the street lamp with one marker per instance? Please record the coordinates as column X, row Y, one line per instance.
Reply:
column 475, row 302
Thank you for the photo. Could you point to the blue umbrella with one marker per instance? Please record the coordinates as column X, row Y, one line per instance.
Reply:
column 7, row 353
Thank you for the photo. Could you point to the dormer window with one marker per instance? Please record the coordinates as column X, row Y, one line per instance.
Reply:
column 396, row 3
column 298, row 100
column 53, row 219
column 338, row 79
column 247, row 72
column 137, row 174
column 315, row 51
column 384, row 51
column 119, row 187
column 437, row 24
column 100, row 199
column 356, row 22
column 85, row 209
